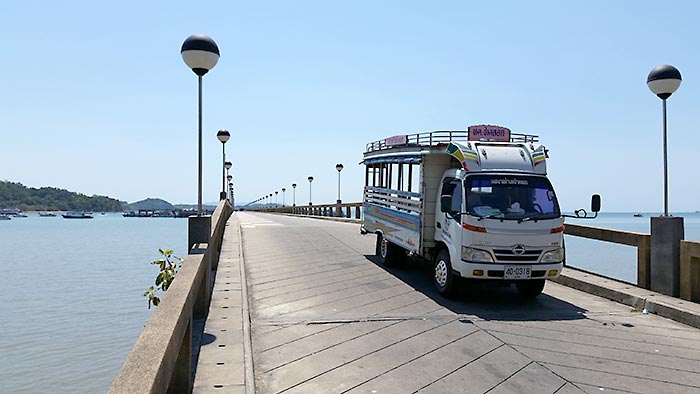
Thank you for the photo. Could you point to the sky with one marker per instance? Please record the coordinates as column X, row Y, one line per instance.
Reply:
column 95, row 97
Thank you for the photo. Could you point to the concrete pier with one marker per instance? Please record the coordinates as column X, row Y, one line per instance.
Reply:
column 325, row 317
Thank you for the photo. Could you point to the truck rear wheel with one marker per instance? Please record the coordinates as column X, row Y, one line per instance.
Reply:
column 444, row 279
column 389, row 253
column 530, row 288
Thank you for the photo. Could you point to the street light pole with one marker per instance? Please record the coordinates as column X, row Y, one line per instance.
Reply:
column 294, row 194
column 201, row 54
column 663, row 81
column 223, row 136
column 276, row 204
column 283, row 190
column 311, row 179
column 339, row 167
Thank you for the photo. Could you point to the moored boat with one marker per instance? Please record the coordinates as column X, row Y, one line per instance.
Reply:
column 77, row 215
column 4, row 217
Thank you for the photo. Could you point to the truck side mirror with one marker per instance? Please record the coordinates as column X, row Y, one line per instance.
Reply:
column 595, row 203
column 445, row 203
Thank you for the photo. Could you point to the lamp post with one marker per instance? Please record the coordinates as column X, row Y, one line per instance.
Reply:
column 311, row 179
column 663, row 81
column 201, row 54
column 223, row 136
column 666, row 231
column 276, row 204
column 283, row 190
column 294, row 194
column 339, row 167
column 227, row 166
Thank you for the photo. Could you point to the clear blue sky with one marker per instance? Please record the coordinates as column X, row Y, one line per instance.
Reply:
column 95, row 97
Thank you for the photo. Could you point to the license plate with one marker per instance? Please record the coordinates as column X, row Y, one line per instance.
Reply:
column 517, row 272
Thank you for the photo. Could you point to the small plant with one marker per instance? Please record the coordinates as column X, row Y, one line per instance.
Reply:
column 168, row 269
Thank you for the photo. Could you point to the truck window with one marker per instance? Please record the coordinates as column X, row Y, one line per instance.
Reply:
column 511, row 197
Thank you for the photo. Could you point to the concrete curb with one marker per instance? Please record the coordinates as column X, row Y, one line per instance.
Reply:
column 682, row 311
column 331, row 218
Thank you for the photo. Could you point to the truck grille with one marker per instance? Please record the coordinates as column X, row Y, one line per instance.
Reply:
column 529, row 256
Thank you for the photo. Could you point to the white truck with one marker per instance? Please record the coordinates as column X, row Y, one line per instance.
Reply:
column 476, row 202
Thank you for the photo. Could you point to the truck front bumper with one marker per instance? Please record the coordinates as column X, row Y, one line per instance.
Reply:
column 495, row 271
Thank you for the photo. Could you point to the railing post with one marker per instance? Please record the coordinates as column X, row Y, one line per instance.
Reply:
column 181, row 379
column 357, row 212
column 644, row 262
column 690, row 271
column 347, row 212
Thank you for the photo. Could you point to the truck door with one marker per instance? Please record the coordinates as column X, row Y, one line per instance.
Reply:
column 449, row 224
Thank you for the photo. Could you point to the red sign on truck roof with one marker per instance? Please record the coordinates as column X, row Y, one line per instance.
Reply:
column 487, row 132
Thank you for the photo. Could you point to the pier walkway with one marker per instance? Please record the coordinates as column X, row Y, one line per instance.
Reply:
column 326, row 317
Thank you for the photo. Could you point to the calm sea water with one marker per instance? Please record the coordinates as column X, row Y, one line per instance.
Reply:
column 71, row 307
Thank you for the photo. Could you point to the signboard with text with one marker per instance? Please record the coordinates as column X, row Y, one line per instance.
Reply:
column 396, row 140
column 489, row 133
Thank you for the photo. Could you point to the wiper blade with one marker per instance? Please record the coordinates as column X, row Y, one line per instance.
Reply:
column 491, row 216
column 533, row 217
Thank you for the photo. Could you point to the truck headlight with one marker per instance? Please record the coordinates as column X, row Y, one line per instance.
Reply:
column 476, row 255
column 553, row 256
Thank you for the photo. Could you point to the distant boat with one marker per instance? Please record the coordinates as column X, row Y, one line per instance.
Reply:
column 20, row 215
column 638, row 215
column 77, row 215
column 47, row 214
column 4, row 217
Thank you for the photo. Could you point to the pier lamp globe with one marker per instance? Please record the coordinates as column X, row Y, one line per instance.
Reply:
column 339, row 167
column 223, row 136
column 310, row 179
column 663, row 81
column 200, row 54
column 229, row 178
column 294, row 194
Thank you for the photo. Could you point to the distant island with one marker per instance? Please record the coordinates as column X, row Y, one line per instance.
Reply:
column 17, row 196
column 14, row 195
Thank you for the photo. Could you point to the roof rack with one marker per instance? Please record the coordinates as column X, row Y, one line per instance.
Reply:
column 436, row 137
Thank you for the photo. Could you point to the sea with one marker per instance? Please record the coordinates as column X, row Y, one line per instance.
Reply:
column 71, row 290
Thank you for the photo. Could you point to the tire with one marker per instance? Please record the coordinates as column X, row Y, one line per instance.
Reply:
column 530, row 288
column 389, row 254
column 444, row 279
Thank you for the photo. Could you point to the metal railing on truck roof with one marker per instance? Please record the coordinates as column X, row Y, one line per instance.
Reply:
column 439, row 136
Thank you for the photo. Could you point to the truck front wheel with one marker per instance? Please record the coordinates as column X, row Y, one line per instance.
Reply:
column 530, row 288
column 389, row 254
column 444, row 279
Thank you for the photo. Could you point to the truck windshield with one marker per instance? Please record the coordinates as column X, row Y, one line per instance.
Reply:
column 511, row 197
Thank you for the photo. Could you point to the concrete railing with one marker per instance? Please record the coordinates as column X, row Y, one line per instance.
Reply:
column 161, row 360
column 347, row 210
column 690, row 256
column 641, row 241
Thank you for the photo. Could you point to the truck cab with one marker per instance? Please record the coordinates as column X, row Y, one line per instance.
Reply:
column 500, row 226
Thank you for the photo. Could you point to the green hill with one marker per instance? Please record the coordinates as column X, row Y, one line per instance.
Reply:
column 150, row 204
column 18, row 196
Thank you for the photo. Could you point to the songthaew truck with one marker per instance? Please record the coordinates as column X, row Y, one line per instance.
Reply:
column 476, row 202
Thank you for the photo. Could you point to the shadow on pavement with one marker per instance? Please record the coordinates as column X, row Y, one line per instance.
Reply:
column 486, row 301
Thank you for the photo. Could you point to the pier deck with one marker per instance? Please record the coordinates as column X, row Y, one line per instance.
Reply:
column 327, row 318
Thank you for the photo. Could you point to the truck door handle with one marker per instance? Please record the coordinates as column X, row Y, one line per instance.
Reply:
column 438, row 225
